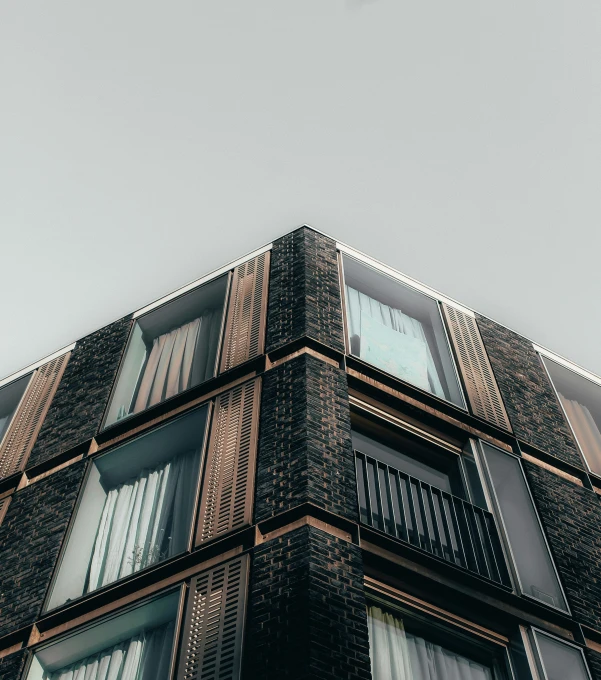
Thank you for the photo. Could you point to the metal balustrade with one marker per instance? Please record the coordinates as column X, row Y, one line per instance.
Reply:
column 430, row 519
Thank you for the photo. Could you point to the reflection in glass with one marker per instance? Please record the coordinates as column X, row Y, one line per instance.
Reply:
column 560, row 661
column 399, row 330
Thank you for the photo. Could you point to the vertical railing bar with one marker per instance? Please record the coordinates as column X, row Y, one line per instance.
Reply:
column 434, row 517
column 445, row 525
column 411, row 503
column 387, row 473
column 492, row 546
column 359, row 472
column 469, row 535
column 404, row 525
column 455, row 521
column 420, row 500
column 473, row 511
column 369, row 513
column 379, row 493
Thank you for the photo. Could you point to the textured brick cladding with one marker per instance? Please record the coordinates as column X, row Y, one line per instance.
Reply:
column 305, row 449
column 571, row 516
column 304, row 291
column 594, row 663
column 12, row 666
column 307, row 616
column 78, row 405
column 531, row 403
column 30, row 539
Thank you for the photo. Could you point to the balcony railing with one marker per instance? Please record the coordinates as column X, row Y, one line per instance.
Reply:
column 429, row 519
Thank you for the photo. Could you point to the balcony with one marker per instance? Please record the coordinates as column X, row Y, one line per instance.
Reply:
column 429, row 519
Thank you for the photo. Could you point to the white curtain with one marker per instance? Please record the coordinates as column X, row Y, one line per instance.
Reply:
column 395, row 319
column 398, row 655
column 586, row 431
column 146, row 656
column 143, row 521
column 179, row 360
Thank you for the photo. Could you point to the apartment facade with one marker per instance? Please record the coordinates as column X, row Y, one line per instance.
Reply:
column 305, row 465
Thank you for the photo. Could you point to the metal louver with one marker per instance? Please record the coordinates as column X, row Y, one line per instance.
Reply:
column 481, row 386
column 27, row 421
column 228, row 483
column 245, row 325
column 212, row 635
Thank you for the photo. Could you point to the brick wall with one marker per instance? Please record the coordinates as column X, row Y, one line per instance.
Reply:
column 594, row 663
column 78, row 405
column 30, row 539
column 307, row 615
column 531, row 403
column 571, row 516
column 304, row 291
column 12, row 666
column 305, row 451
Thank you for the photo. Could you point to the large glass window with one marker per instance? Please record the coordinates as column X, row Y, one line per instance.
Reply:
column 581, row 401
column 558, row 659
column 134, row 645
column 136, row 508
column 399, row 330
column 533, row 564
column 10, row 397
column 171, row 349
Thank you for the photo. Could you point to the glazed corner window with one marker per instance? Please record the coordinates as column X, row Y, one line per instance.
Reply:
column 399, row 330
column 581, row 401
column 171, row 349
column 558, row 659
column 134, row 645
column 10, row 398
column 136, row 508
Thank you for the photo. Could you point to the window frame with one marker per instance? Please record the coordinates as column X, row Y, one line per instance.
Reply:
column 19, row 403
column 401, row 280
column 531, row 636
column 111, row 448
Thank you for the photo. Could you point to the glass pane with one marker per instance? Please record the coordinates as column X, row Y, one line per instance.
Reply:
column 135, row 645
column 399, row 330
column 10, row 396
column 560, row 661
column 171, row 349
column 581, row 400
column 136, row 509
column 528, row 547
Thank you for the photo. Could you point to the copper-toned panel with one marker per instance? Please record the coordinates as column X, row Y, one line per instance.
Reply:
column 480, row 384
column 4, row 503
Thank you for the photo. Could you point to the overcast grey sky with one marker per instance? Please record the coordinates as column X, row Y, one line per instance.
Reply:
column 146, row 143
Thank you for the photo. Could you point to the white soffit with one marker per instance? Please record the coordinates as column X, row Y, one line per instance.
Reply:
column 393, row 273
column 566, row 363
column 199, row 282
column 32, row 367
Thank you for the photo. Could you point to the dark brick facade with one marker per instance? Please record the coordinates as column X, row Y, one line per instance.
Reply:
column 12, row 666
column 531, row 403
column 594, row 663
column 304, row 291
column 305, row 451
column 307, row 609
column 571, row 516
column 30, row 539
column 78, row 405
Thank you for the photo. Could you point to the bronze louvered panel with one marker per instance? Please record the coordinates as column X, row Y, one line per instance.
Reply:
column 4, row 503
column 229, row 476
column 212, row 635
column 480, row 384
column 27, row 421
column 245, row 325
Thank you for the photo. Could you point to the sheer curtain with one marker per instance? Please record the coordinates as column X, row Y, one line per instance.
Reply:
column 586, row 430
column 360, row 305
column 146, row 656
column 179, row 360
column 143, row 521
column 398, row 655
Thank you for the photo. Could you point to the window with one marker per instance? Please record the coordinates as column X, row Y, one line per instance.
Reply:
column 533, row 564
column 171, row 349
column 10, row 398
column 399, row 330
column 581, row 401
column 136, row 508
column 559, row 660
column 408, row 646
column 134, row 645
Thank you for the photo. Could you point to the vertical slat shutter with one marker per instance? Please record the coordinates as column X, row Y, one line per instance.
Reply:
column 245, row 325
column 213, row 629
column 480, row 384
column 228, row 482
column 27, row 421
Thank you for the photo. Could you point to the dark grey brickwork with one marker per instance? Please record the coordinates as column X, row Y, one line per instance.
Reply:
column 531, row 403
column 12, row 666
column 304, row 291
column 594, row 663
column 307, row 616
column 305, row 450
column 78, row 406
column 30, row 539
column 571, row 516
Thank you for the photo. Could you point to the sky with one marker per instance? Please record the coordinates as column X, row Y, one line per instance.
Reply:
column 145, row 144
